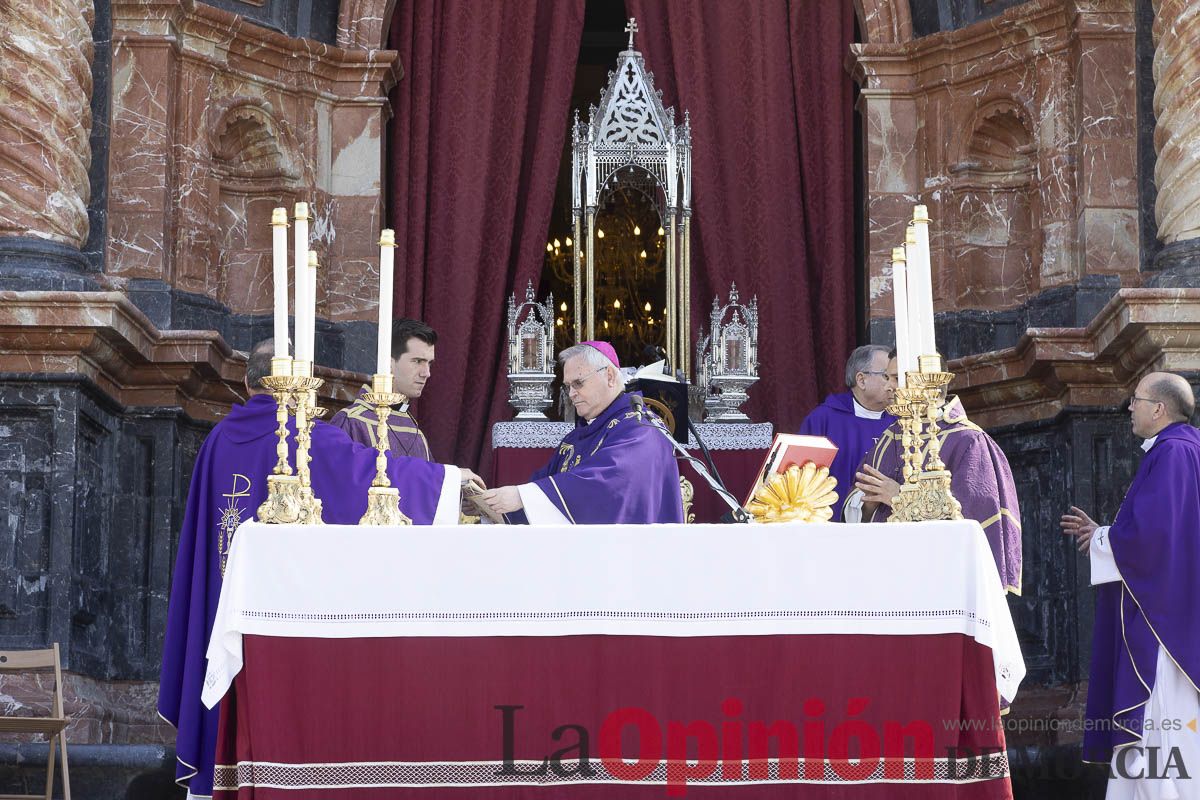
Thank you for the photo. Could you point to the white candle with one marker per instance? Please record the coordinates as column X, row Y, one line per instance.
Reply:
column 921, row 283
column 310, row 322
column 302, row 301
column 279, row 253
column 900, row 301
column 387, row 254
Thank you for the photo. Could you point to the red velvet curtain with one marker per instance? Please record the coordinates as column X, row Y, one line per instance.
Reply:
column 475, row 144
column 772, row 191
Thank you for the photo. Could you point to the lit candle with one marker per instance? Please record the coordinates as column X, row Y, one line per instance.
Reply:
column 921, row 284
column 387, row 254
column 279, row 274
column 302, row 300
column 900, row 301
column 310, row 322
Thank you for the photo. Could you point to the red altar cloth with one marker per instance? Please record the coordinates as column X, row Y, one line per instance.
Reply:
column 417, row 717
column 514, row 465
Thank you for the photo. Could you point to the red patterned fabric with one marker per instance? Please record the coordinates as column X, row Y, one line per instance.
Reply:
column 772, row 195
column 475, row 146
column 335, row 719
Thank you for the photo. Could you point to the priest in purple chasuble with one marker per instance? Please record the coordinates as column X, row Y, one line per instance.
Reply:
column 228, row 484
column 854, row 420
column 412, row 359
column 1143, row 700
column 617, row 466
column 981, row 481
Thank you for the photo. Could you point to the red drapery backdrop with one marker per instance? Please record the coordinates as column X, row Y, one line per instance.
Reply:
column 475, row 144
column 772, row 191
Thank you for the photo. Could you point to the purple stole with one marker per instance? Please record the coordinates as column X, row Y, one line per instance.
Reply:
column 229, row 482
column 853, row 435
column 1156, row 545
column 618, row 469
column 980, row 480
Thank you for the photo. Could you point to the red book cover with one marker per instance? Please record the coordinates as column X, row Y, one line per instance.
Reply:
column 793, row 448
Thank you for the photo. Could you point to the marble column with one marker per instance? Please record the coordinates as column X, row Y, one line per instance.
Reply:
column 1177, row 138
column 45, row 120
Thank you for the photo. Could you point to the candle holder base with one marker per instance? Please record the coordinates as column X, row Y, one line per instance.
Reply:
column 383, row 507
column 289, row 503
column 927, row 499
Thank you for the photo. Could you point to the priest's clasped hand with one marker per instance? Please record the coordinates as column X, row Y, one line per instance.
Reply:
column 875, row 486
column 1078, row 524
column 503, row 499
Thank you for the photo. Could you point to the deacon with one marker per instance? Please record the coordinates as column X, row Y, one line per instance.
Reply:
column 617, row 466
column 855, row 420
column 228, row 484
column 1146, row 637
column 412, row 358
column 980, row 480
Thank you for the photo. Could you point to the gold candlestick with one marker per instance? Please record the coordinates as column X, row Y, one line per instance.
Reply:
column 926, row 493
column 383, row 499
column 305, row 386
column 283, row 504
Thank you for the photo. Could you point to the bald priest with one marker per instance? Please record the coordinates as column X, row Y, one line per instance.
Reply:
column 617, row 466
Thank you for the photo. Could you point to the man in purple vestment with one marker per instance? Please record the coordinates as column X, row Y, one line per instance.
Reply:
column 229, row 482
column 412, row 359
column 1145, row 669
column 617, row 466
column 981, row 481
column 855, row 420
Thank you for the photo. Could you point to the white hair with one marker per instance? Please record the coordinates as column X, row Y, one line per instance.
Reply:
column 591, row 356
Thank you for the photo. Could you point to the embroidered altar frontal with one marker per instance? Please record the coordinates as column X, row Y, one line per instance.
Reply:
column 613, row 661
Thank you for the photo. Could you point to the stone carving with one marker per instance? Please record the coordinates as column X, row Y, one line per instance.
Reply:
column 1177, row 133
column 46, row 119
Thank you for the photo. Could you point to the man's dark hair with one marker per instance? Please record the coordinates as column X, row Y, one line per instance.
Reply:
column 404, row 329
column 860, row 361
column 258, row 365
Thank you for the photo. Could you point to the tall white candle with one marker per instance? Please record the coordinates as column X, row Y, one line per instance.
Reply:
column 279, row 271
column 310, row 323
column 904, row 360
column 922, row 285
column 301, row 271
column 387, row 254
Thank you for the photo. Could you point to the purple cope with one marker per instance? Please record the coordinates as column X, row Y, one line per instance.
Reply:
column 229, row 482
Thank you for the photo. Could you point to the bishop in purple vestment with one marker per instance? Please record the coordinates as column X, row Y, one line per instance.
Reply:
column 855, row 420
column 981, row 481
column 412, row 359
column 1145, row 666
column 229, row 482
column 617, row 466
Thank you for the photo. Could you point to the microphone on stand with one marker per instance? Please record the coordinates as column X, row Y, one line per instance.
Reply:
column 736, row 512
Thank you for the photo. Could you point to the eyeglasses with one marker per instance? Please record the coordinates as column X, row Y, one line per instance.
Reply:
column 577, row 384
column 1135, row 398
column 890, row 376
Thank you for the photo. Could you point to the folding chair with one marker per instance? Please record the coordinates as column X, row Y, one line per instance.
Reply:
column 52, row 727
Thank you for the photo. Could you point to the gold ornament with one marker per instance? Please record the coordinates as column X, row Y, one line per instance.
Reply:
column 801, row 494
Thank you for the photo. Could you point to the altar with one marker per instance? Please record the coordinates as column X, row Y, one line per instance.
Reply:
column 598, row 661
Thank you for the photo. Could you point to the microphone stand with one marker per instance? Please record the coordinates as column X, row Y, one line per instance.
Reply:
column 736, row 513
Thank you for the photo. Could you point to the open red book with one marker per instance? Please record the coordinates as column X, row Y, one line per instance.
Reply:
column 789, row 449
